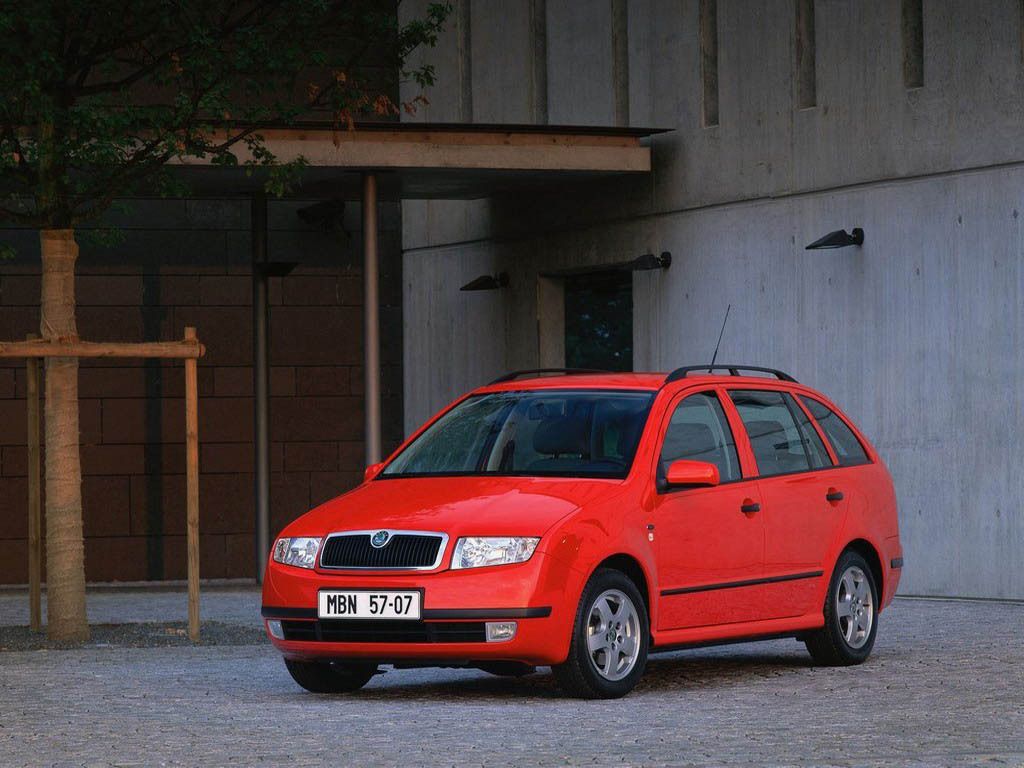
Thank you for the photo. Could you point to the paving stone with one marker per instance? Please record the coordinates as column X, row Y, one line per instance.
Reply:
column 944, row 687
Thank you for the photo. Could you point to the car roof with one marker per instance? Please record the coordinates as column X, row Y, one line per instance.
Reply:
column 649, row 381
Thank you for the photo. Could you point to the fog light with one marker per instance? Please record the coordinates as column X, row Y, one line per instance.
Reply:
column 500, row 631
column 275, row 630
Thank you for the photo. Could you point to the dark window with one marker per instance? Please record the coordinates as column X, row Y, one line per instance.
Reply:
column 805, row 72
column 912, row 29
column 846, row 445
column 778, row 442
column 708, row 23
column 599, row 321
column 699, row 431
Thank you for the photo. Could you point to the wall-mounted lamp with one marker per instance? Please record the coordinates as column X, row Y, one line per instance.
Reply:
column 487, row 283
column 650, row 261
column 838, row 239
column 644, row 263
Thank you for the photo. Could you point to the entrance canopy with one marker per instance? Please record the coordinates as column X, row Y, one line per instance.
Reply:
column 396, row 161
column 453, row 161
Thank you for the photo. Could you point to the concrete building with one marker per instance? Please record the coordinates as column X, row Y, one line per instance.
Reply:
column 785, row 120
column 790, row 119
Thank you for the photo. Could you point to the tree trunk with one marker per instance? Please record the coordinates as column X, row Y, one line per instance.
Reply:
column 65, row 548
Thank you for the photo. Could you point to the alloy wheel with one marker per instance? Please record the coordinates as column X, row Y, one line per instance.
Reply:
column 855, row 607
column 613, row 635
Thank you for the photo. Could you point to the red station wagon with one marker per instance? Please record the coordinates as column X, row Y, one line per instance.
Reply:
column 584, row 520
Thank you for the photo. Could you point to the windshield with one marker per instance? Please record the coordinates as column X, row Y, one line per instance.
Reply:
column 558, row 433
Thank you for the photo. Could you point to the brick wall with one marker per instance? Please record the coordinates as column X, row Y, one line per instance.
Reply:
column 187, row 263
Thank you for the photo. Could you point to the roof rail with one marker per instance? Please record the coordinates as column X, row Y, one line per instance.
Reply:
column 513, row 375
column 734, row 370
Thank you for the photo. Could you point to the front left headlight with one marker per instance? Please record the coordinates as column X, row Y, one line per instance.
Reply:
column 300, row 551
column 478, row 551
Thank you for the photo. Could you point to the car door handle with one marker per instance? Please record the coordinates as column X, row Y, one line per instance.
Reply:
column 749, row 507
column 834, row 495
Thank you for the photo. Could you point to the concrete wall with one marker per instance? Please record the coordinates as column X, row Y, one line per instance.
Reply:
column 917, row 334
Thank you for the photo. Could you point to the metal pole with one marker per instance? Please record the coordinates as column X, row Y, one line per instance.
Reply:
column 35, row 512
column 192, row 486
column 371, row 319
column 261, row 381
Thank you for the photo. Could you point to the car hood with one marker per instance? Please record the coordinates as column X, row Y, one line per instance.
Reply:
column 458, row 506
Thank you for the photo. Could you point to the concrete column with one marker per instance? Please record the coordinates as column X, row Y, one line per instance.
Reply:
column 371, row 319
column 260, row 380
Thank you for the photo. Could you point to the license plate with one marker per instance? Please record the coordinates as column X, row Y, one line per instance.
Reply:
column 365, row 604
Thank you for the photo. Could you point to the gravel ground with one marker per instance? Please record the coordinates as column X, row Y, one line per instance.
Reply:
column 116, row 605
column 137, row 635
column 944, row 687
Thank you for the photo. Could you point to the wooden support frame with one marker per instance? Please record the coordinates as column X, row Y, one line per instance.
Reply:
column 192, row 484
column 33, row 350
column 35, row 511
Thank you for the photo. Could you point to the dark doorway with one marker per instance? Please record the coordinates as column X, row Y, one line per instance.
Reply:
column 599, row 320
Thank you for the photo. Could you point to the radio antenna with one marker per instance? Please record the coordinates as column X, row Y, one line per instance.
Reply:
column 715, row 356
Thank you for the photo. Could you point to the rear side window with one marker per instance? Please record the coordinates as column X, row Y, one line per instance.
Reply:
column 698, row 431
column 846, row 445
column 782, row 439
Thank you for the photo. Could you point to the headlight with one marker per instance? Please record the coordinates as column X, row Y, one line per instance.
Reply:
column 477, row 551
column 300, row 551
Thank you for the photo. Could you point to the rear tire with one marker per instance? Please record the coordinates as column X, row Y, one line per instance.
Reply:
column 851, row 615
column 330, row 677
column 610, row 638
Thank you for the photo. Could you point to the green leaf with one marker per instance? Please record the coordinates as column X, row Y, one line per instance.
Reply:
column 101, row 96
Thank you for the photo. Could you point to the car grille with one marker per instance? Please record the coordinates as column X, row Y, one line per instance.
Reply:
column 373, row 631
column 403, row 551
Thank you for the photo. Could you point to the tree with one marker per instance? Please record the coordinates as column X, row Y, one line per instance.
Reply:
column 100, row 95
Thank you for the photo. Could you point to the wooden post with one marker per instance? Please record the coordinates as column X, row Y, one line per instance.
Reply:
column 35, row 541
column 192, row 486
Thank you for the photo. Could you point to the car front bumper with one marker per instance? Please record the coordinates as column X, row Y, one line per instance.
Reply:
column 540, row 595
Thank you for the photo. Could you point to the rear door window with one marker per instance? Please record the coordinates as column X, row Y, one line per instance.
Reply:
column 699, row 431
column 846, row 445
column 782, row 438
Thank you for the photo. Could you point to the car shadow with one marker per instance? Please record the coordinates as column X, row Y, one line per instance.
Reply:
column 678, row 671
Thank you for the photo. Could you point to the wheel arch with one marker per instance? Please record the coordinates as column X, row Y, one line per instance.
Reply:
column 867, row 550
column 634, row 571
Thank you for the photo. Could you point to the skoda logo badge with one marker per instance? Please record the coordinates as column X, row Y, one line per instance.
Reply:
column 380, row 538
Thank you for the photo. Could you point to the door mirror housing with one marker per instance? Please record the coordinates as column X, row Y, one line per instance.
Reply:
column 372, row 471
column 684, row 472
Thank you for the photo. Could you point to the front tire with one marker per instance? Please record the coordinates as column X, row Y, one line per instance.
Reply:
column 851, row 615
column 330, row 677
column 610, row 638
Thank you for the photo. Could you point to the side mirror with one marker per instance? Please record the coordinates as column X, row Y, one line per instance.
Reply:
column 372, row 471
column 685, row 472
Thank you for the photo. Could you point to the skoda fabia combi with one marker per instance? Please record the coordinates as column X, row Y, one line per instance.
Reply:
column 585, row 520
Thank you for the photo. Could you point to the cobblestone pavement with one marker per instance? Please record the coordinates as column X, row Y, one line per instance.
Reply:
column 945, row 686
column 109, row 605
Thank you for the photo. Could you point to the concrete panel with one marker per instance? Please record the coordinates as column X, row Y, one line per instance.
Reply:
column 453, row 339
column 445, row 97
column 501, row 64
column 428, row 223
column 580, row 77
